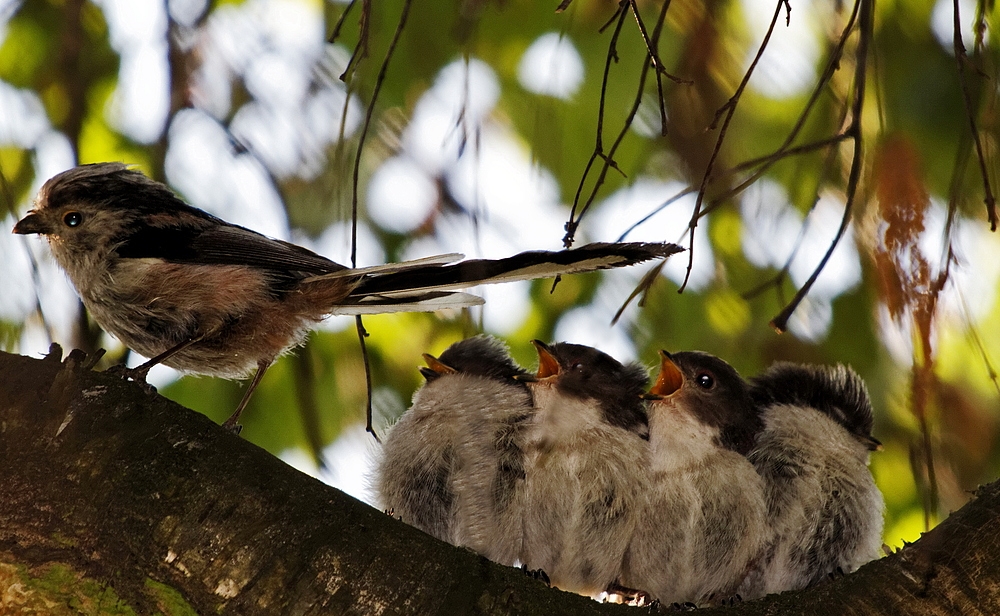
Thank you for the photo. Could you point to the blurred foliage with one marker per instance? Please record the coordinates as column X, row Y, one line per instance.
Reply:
column 917, row 148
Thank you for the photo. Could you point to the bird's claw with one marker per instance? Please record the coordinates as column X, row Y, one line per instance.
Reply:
column 536, row 574
column 136, row 375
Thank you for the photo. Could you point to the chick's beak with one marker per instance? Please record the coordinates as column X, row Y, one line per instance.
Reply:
column 670, row 378
column 437, row 365
column 548, row 365
column 872, row 443
column 32, row 223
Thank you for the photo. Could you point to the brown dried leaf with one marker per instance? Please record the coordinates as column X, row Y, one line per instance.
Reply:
column 899, row 186
column 890, row 287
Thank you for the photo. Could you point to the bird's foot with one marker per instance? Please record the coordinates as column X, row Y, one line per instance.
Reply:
column 232, row 426
column 137, row 375
column 687, row 606
column 536, row 574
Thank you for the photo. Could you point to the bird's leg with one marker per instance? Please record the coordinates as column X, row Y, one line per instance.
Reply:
column 138, row 374
column 231, row 423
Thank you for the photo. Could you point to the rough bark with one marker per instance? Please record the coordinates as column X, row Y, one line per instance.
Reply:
column 116, row 501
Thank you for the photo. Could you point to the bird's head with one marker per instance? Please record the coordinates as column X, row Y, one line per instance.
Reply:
column 585, row 373
column 709, row 390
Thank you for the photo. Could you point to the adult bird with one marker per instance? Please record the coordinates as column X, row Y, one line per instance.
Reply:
column 196, row 293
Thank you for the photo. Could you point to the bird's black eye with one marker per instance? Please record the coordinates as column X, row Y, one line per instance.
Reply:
column 705, row 380
column 73, row 218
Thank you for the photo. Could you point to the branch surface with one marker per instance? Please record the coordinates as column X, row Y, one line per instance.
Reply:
column 149, row 499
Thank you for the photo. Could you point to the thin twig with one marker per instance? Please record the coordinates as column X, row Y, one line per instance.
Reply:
column 362, row 334
column 784, row 150
column 654, row 55
column 354, row 196
column 574, row 220
column 572, row 223
column 340, row 23
column 361, row 49
column 961, row 58
column 730, row 110
column 780, row 322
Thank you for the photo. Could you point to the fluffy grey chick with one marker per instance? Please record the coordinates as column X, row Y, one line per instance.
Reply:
column 813, row 455
column 415, row 474
column 584, row 446
column 702, row 525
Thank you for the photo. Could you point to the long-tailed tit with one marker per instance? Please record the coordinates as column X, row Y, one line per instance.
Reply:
column 196, row 293
column 702, row 523
column 813, row 453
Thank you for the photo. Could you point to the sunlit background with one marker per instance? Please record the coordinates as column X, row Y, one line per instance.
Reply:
column 477, row 145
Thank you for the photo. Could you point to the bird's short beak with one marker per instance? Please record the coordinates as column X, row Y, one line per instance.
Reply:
column 548, row 365
column 669, row 380
column 32, row 223
column 435, row 368
column 872, row 443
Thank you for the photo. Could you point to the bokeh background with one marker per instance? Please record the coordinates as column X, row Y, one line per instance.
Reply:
column 479, row 141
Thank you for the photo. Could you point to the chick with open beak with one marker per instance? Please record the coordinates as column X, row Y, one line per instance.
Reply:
column 702, row 521
column 813, row 455
column 584, row 446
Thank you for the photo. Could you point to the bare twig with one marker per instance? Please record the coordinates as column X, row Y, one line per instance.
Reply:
column 354, row 193
column 961, row 58
column 654, row 55
column 730, row 110
column 780, row 322
column 362, row 334
column 340, row 23
column 361, row 49
column 574, row 220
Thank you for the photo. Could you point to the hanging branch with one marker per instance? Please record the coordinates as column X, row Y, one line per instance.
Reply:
column 763, row 163
column 730, row 110
column 572, row 224
column 361, row 49
column 780, row 322
column 784, row 150
column 961, row 58
column 661, row 71
column 574, row 220
column 379, row 80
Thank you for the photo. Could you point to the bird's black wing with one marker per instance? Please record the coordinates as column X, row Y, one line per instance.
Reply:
column 222, row 244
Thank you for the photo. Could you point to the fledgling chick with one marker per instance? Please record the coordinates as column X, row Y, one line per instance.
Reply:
column 813, row 453
column 702, row 525
column 584, row 446
column 414, row 476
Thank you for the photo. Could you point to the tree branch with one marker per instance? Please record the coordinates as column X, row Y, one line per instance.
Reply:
column 150, row 499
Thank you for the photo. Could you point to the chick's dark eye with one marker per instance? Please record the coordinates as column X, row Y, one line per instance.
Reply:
column 73, row 219
column 705, row 380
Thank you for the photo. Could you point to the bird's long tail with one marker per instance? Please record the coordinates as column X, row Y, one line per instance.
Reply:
column 428, row 286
